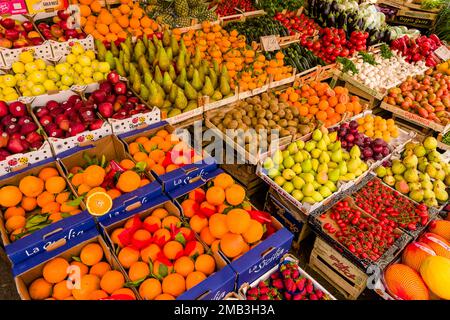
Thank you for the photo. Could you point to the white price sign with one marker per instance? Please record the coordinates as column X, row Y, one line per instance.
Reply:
column 270, row 43
column 443, row 53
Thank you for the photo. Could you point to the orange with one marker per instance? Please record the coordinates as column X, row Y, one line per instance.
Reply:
column 112, row 280
column 94, row 176
column 88, row 284
column 184, row 266
column 138, row 270
column 46, row 173
column 215, row 245
column 40, row 289
column 61, row 291
column 174, row 284
column 55, row 270
column 127, row 164
column 215, row 196
column 140, row 156
column 16, row 234
column 55, row 184
column 218, row 225
column 238, row 220
column 150, row 253
column 206, row 236
column 115, row 28
column 144, row 182
column 55, row 216
column 254, row 232
column 14, row 223
column 10, row 196
column 91, row 254
column 197, row 223
column 82, row 268
column 85, row 10
column 150, row 289
column 62, row 197
column 165, row 296
column 94, row 190
column 198, row 250
column 170, row 220
column 223, row 181
column 127, row 256
column 96, row 7
column 99, row 203
column 194, row 278
column 28, row 203
column 45, row 198
column 128, row 181
column 31, row 186
column 172, row 249
column 14, row 211
column 125, row 291
column 205, row 263
column 133, row 147
column 99, row 269
column 115, row 236
column 153, row 221
column 142, row 235
column 124, row 9
column 114, row 193
column 160, row 213
column 163, row 234
column 97, row 295
column 232, row 244
column 77, row 179
column 190, row 207
column 235, row 195
column 146, row 22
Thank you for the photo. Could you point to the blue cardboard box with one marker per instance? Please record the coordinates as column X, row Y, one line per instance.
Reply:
column 187, row 172
column 112, row 148
column 214, row 287
column 260, row 258
column 35, row 242
column 29, row 270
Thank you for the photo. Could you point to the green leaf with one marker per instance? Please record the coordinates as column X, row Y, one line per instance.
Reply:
column 368, row 58
column 347, row 65
column 194, row 256
column 140, row 166
column 76, row 202
column 70, row 176
column 163, row 270
column 180, row 238
column 141, row 148
column 87, row 158
column 76, row 259
column 65, row 215
column 134, row 284
column 36, row 220
column 386, row 52
column 103, row 162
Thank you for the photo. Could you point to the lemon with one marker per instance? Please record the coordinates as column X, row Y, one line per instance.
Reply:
column 88, row 80
column 66, row 80
column 97, row 76
column 77, row 49
column 103, row 67
column 26, row 56
column 49, row 85
column 87, row 72
column 84, row 61
column 62, row 87
column 37, row 90
column 9, row 80
column 9, row 91
column 90, row 54
column 26, row 93
column 30, row 67
column 18, row 67
column 94, row 65
column 71, row 58
column 11, row 97
column 53, row 75
column 62, row 68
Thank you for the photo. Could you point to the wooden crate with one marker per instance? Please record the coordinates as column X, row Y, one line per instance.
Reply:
column 337, row 270
column 245, row 174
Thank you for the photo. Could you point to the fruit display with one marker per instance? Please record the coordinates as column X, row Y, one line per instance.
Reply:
column 18, row 131
column 357, row 231
column 113, row 99
column 446, row 138
column 229, row 8
column 383, row 73
column 377, row 127
column 262, row 112
column 57, row 28
column 69, row 118
column 179, row 13
column 37, row 77
column 16, row 34
column 97, row 175
column 312, row 171
column 99, row 279
column 287, row 283
column 317, row 101
column 255, row 28
column 298, row 57
column 8, row 92
column 162, row 258
column 418, row 49
column 297, row 24
column 162, row 152
column 165, row 75
column 420, row 172
column 34, row 201
column 426, row 95
column 370, row 149
column 390, row 207
column 224, row 219
column 118, row 22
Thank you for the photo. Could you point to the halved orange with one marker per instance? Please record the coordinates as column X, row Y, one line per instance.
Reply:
column 99, row 203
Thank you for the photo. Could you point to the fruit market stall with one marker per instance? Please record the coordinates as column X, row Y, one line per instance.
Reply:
column 237, row 150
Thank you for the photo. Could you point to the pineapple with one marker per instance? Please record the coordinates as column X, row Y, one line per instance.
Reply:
column 183, row 22
column 181, row 8
column 194, row 3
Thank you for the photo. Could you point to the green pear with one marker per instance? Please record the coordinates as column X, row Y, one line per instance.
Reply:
column 288, row 162
column 315, row 154
column 325, row 191
column 317, row 196
column 322, row 177
column 355, row 152
column 310, row 145
column 298, row 182
column 317, row 135
column 173, row 113
column 297, row 168
column 430, row 143
column 158, row 77
column 181, row 79
column 322, row 167
column 288, row 187
column 173, row 93
column 333, row 136
column 224, row 86
column 336, row 156
column 411, row 175
column 196, row 82
column 167, row 82
column 144, row 92
column 416, row 195
column 192, row 105
column 155, row 98
column 324, row 157
column 217, row 95
column 163, row 60
column 181, row 62
column 308, row 189
column 298, row 157
column 110, row 59
column 190, row 72
column 307, row 176
column 315, row 164
column 297, row 195
column 321, row 145
column 278, row 157
column 181, row 100
column 174, row 45
column 214, row 78
column 197, row 58
column 342, row 168
column 208, row 88
column 381, row 171
column 410, row 161
column 333, row 175
column 398, row 167
column 330, row 185
column 306, row 166
column 300, row 144
column 272, row 173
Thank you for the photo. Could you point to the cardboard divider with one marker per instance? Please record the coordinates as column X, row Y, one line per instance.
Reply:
column 25, row 247
column 214, row 287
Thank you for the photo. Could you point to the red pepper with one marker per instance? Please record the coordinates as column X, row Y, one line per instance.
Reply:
column 260, row 216
column 108, row 182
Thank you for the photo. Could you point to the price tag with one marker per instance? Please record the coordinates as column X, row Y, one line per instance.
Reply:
column 270, row 43
column 443, row 53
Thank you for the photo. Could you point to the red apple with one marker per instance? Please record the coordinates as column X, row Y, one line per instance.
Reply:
column 11, row 34
column 106, row 109
column 113, row 77
column 27, row 26
column 8, row 23
column 63, row 14
column 4, row 110
column 120, row 88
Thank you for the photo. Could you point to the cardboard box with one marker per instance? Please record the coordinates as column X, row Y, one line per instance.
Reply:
column 35, row 6
column 113, row 149
column 30, row 270
column 214, row 287
column 259, row 259
column 185, row 173
column 13, row 7
column 32, row 244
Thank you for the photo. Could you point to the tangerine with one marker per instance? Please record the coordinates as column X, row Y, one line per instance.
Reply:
column 184, row 266
column 40, row 289
column 205, row 263
column 91, row 254
column 194, row 278
column 112, row 280
column 99, row 269
column 138, row 270
column 174, row 284
column 235, row 195
column 150, row 289
column 238, row 220
column 127, row 256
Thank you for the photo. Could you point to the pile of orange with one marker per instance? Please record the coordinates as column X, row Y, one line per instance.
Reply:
column 162, row 258
column 317, row 100
column 88, row 277
column 94, row 179
column 162, row 152
column 377, row 127
column 46, row 194
column 110, row 25
column 246, row 67
column 216, row 215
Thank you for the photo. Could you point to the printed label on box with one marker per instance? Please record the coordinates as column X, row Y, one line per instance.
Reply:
column 13, row 7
